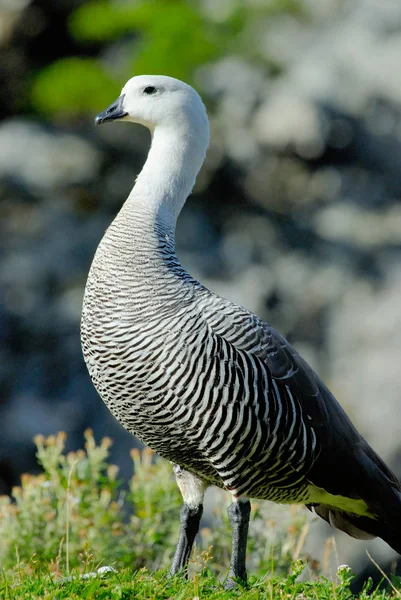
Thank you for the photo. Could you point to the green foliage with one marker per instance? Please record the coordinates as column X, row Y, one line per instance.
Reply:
column 174, row 37
column 72, row 85
column 169, row 37
column 76, row 509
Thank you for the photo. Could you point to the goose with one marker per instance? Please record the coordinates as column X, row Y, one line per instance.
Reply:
column 205, row 383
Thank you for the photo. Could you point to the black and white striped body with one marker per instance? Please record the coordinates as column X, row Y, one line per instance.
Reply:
column 184, row 369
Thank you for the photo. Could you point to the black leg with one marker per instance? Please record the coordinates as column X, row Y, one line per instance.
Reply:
column 190, row 519
column 238, row 513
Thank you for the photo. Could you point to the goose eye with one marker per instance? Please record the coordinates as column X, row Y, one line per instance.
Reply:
column 149, row 89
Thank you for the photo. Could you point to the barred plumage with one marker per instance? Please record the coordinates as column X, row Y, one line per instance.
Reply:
column 204, row 382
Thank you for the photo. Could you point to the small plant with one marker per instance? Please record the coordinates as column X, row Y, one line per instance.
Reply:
column 75, row 514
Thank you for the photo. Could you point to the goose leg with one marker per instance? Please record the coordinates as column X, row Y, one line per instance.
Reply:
column 190, row 519
column 192, row 490
column 238, row 513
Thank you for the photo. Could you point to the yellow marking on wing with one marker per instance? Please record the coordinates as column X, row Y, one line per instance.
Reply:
column 350, row 505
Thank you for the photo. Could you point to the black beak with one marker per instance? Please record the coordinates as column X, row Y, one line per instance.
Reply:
column 112, row 112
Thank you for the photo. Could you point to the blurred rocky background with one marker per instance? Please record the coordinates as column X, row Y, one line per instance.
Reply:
column 296, row 214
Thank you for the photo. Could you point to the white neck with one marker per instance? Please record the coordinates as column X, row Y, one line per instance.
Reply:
column 169, row 174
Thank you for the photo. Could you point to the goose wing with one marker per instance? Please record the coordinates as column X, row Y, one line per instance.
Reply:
column 342, row 462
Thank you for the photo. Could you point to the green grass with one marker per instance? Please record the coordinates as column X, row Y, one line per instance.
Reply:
column 75, row 517
column 26, row 583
